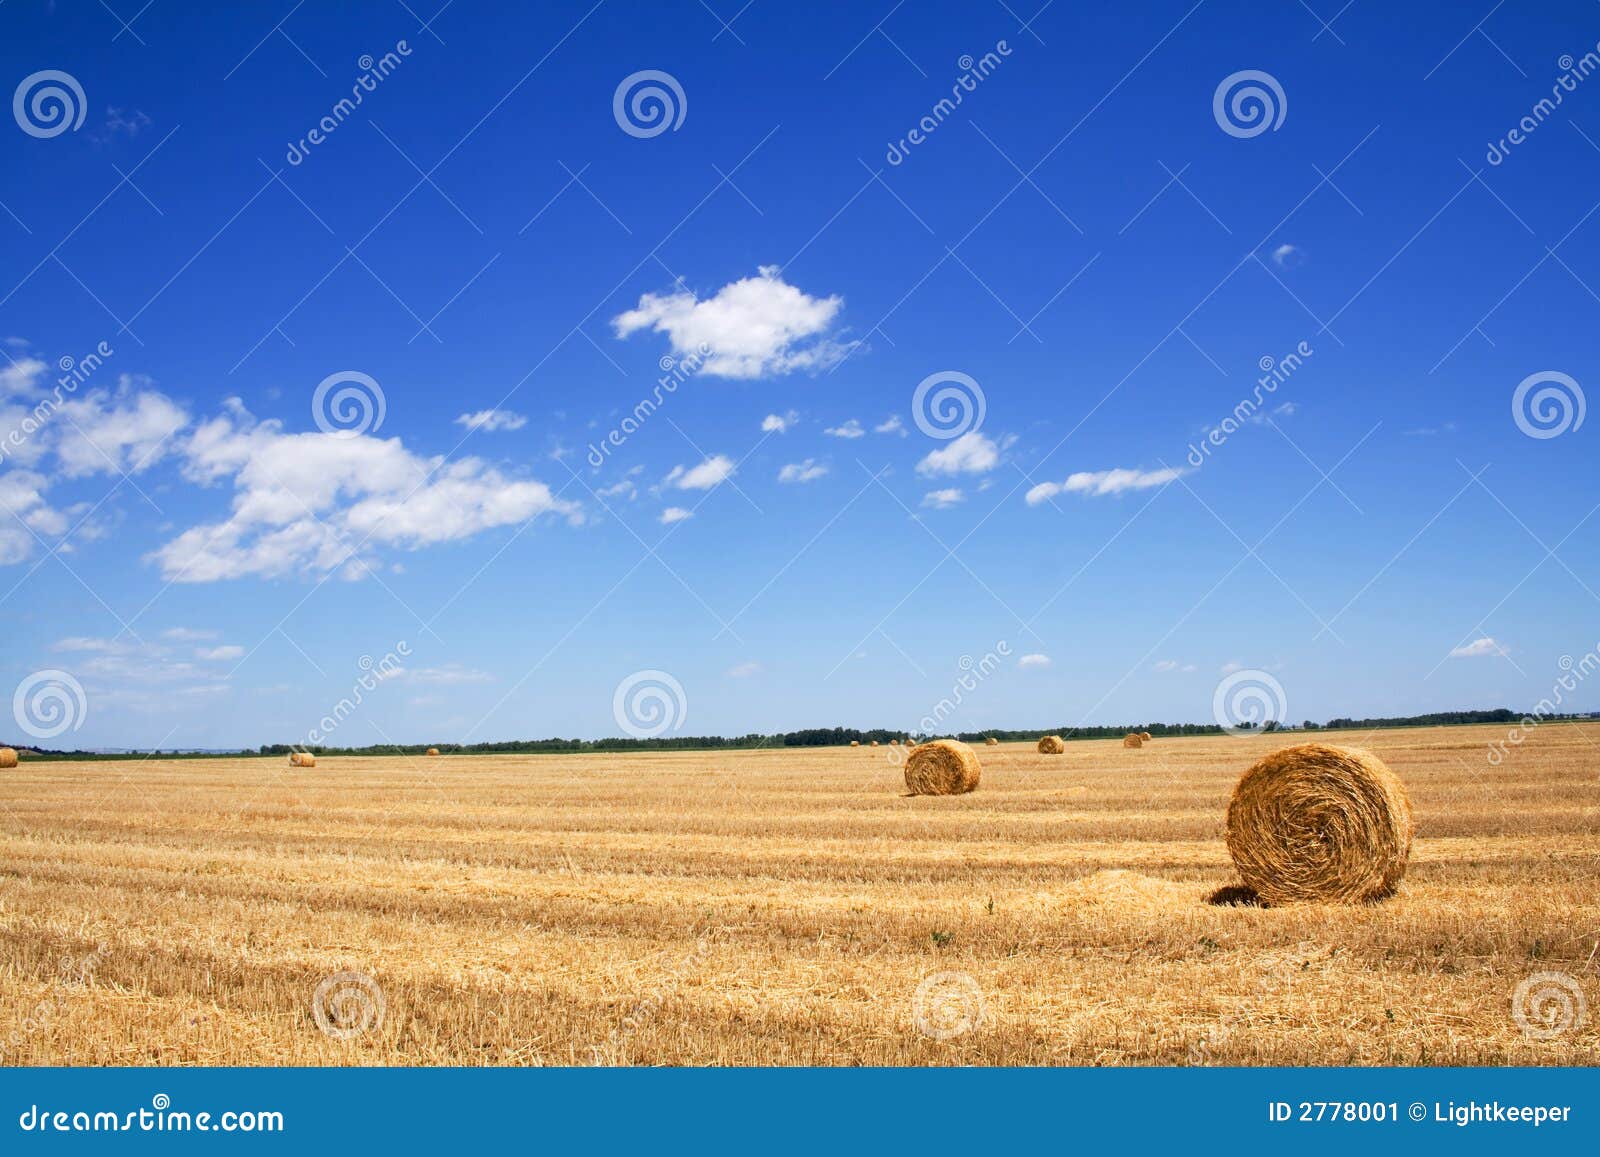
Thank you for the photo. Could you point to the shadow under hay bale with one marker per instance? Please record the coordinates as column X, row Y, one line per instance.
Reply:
column 1235, row 896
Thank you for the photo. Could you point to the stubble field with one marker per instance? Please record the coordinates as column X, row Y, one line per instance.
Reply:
column 783, row 907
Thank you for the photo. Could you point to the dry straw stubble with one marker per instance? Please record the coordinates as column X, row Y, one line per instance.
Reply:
column 942, row 767
column 1321, row 824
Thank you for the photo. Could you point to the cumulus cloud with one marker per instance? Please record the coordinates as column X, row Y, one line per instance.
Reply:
column 943, row 499
column 315, row 502
column 1034, row 660
column 123, row 433
column 491, row 420
column 674, row 514
column 220, row 654
column 1477, row 648
column 972, row 453
column 1287, row 256
column 779, row 423
column 807, row 471
column 755, row 327
column 849, row 429
column 714, row 471
column 1099, row 482
column 891, row 425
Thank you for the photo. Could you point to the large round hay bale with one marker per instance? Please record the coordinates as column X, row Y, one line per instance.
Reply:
column 855, row 743
column 942, row 767
column 1052, row 745
column 991, row 741
column 1320, row 823
column 1145, row 736
column 433, row 751
column 1132, row 740
column 8, row 757
column 302, row 759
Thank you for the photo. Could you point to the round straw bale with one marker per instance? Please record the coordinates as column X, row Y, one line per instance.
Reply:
column 992, row 741
column 942, row 767
column 433, row 751
column 1132, row 740
column 1322, row 824
column 855, row 743
column 8, row 757
column 1144, row 735
column 1052, row 745
column 302, row 759
column 874, row 743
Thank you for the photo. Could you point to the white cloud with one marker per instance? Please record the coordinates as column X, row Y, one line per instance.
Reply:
column 317, row 502
column 21, row 377
column 972, row 453
column 1230, row 667
column 714, row 471
column 220, row 654
column 1165, row 665
column 188, row 635
column 807, row 471
column 1478, row 647
column 448, row 675
column 1286, row 256
column 623, row 489
column 943, row 499
column 891, row 425
column 1034, row 660
column 674, row 514
column 1100, row 482
column 850, row 429
column 744, row 670
column 127, row 434
column 491, row 420
column 754, row 327
column 779, row 423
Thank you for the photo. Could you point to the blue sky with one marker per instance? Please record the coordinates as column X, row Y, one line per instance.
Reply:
column 1082, row 237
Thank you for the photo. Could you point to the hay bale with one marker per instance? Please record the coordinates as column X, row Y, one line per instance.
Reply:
column 942, row 767
column 8, row 757
column 433, row 751
column 1132, row 740
column 874, row 743
column 991, row 741
column 1052, row 745
column 1322, row 824
column 302, row 759
column 855, row 743
column 1145, row 736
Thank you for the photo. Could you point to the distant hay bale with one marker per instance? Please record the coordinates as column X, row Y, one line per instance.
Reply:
column 1052, row 745
column 942, row 767
column 874, row 743
column 1321, row 824
column 855, row 743
column 433, row 751
column 8, row 757
column 1144, row 735
column 302, row 759
column 1132, row 740
column 991, row 741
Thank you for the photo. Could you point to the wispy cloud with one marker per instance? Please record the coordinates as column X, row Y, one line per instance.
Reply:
column 1034, row 660
column 491, row 420
column 807, row 471
column 943, row 499
column 674, row 514
column 848, row 429
column 1099, row 482
column 1477, row 648
column 714, row 471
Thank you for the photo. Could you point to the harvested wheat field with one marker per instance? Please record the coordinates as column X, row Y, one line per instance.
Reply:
column 782, row 907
